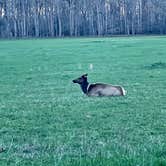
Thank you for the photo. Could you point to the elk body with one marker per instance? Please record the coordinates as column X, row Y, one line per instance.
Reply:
column 99, row 89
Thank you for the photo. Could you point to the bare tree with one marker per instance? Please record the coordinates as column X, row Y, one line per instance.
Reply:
column 57, row 18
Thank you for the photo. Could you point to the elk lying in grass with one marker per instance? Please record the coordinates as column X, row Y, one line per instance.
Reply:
column 99, row 89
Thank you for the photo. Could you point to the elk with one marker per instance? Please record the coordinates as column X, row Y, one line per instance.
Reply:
column 99, row 89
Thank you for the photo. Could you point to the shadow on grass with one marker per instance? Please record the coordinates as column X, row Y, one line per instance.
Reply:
column 157, row 65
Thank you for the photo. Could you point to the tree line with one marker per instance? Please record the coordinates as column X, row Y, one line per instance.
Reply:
column 58, row 18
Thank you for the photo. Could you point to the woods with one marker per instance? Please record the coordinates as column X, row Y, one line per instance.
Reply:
column 59, row 18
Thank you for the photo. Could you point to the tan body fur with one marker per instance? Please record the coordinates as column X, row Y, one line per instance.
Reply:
column 102, row 89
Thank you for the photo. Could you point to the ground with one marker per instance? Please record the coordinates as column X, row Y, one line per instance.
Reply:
column 46, row 120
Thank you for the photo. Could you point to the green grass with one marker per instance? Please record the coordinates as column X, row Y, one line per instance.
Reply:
column 45, row 120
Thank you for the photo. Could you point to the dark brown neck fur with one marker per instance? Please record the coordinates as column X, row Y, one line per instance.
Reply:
column 84, row 86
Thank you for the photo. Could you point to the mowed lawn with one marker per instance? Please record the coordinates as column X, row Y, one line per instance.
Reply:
column 45, row 120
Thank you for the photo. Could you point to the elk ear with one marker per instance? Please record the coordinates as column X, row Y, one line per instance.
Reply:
column 85, row 75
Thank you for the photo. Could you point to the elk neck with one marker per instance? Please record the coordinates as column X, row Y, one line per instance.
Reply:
column 84, row 86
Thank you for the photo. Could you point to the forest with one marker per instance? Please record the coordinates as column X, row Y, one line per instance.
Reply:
column 60, row 18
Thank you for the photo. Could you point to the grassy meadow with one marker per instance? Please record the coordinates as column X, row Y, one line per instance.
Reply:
column 45, row 120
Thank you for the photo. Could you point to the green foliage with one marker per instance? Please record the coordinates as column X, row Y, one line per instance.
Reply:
column 46, row 120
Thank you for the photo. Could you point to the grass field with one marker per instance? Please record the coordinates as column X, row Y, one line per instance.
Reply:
column 45, row 120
